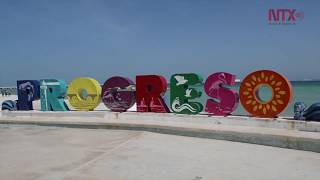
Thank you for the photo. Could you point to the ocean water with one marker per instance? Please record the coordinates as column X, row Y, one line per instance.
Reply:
column 303, row 91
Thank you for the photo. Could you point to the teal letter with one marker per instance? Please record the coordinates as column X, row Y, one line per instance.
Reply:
column 185, row 87
column 52, row 93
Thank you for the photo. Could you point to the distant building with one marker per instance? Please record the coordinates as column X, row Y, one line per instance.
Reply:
column 6, row 91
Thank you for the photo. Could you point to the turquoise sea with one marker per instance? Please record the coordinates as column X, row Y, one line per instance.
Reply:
column 303, row 91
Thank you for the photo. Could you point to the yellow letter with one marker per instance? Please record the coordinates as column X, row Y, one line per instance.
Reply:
column 84, row 93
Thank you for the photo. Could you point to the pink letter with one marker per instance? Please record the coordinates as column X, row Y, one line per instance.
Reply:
column 226, row 100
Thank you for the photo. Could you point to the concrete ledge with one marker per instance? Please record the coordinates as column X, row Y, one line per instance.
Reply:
column 282, row 123
column 272, row 132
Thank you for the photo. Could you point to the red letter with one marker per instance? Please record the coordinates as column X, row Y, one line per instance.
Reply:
column 149, row 90
column 273, row 15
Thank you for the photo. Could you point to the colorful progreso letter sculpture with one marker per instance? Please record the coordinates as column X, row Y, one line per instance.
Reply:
column 281, row 93
column 84, row 93
column 228, row 99
column 28, row 91
column 52, row 94
column 183, row 89
column 149, row 92
column 119, row 94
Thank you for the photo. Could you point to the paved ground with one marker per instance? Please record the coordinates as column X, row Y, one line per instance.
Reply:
column 51, row 153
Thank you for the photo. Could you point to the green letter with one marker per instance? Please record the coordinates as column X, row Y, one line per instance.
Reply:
column 185, row 87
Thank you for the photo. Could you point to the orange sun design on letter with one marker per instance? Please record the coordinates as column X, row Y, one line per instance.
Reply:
column 281, row 93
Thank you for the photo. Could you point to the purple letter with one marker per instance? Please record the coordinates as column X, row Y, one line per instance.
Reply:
column 118, row 94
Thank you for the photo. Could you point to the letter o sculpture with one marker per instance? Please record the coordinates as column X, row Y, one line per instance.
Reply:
column 115, row 95
column 84, row 93
column 278, row 84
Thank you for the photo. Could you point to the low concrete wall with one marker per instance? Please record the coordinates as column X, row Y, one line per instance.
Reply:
column 273, row 132
column 282, row 123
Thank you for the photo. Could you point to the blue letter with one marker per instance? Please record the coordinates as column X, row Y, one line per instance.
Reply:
column 28, row 91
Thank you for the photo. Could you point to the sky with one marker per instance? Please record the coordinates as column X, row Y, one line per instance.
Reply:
column 65, row 39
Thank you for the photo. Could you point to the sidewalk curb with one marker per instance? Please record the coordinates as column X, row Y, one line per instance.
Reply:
column 200, row 126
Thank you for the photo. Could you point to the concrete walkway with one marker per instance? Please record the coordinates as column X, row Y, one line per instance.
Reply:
column 300, row 135
column 53, row 153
